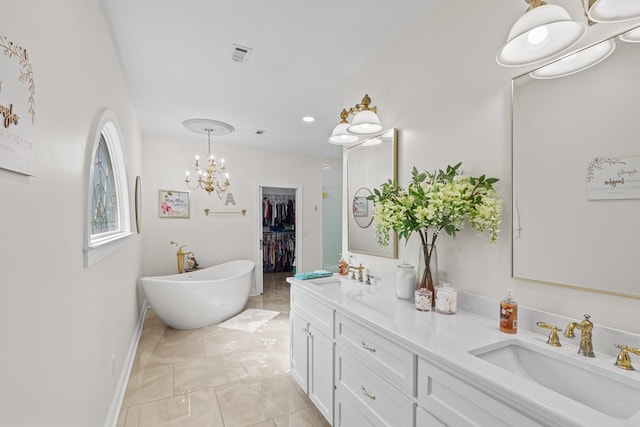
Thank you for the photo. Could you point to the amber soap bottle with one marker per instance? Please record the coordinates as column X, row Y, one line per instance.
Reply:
column 509, row 314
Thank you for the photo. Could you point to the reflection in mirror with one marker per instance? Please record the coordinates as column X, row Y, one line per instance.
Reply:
column 562, row 129
column 369, row 164
column 361, row 208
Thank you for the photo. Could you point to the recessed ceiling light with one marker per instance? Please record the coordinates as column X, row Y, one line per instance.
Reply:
column 308, row 119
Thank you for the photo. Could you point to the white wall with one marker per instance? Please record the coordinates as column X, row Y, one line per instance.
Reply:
column 62, row 322
column 219, row 238
column 439, row 84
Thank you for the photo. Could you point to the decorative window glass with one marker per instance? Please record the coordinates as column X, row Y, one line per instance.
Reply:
column 104, row 201
column 108, row 199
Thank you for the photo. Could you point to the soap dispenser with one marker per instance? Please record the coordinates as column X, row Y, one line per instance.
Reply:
column 509, row 314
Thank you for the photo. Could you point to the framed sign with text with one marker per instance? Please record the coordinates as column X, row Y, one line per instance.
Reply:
column 174, row 204
column 17, row 109
column 613, row 178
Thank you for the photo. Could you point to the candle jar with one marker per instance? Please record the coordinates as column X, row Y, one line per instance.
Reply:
column 423, row 298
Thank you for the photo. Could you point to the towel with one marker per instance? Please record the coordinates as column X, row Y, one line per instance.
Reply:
column 313, row 275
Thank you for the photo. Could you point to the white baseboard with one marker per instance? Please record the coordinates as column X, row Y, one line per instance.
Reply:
column 118, row 396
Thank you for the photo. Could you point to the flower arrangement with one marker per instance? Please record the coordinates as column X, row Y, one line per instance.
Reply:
column 434, row 202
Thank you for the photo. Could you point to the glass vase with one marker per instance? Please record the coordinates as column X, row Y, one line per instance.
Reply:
column 428, row 269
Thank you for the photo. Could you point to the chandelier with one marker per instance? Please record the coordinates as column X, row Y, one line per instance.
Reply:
column 211, row 176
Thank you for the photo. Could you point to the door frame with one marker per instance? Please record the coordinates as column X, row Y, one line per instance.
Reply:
column 258, row 228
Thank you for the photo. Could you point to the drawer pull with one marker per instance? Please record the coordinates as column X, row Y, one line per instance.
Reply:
column 366, row 347
column 366, row 393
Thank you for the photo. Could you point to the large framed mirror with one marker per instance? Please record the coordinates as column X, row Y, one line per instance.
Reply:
column 568, row 133
column 370, row 163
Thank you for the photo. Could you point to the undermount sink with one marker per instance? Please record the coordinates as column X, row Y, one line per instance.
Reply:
column 612, row 393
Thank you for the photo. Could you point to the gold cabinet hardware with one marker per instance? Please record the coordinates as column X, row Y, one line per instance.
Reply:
column 553, row 339
column 366, row 347
column 366, row 393
column 624, row 361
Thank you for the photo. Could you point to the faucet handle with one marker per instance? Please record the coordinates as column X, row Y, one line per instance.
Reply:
column 553, row 339
column 624, row 361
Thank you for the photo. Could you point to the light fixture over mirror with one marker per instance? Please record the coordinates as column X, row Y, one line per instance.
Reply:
column 364, row 122
column 212, row 177
column 542, row 32
column 576, row 62
column 613, row 10
column 546, row 30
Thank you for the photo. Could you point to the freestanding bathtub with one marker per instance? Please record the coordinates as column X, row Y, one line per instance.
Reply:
column 202, row 297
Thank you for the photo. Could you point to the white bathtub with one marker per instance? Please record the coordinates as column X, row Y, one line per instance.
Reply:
column 203, row 297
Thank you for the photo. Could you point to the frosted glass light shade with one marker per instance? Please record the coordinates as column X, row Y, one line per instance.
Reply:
column 365, row 122
column 340, row 136
column 539, row 34
column 577, row 62
column 614, row 10
column 632, row 36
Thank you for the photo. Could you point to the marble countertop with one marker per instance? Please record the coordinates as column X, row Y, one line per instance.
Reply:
column 446, row 341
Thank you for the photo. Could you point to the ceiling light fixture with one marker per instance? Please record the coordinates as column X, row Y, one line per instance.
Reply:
column 210, row 178
column 576, row 62
column 364, row 122
column 542, row 32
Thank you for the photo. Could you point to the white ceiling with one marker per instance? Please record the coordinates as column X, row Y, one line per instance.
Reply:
column 176, row 60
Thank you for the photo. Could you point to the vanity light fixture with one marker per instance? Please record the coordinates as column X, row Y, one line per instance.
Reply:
column 210, row 177
column 613, row 10
column 631, row 36
column 576, row 62
column 542, row 32
column 340, row 136
column 364, row 122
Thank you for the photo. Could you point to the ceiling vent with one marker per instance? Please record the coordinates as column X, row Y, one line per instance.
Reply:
column 240, row 53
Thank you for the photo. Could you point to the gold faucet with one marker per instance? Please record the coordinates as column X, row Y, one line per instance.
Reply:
column 586, row 346
column 553, row 339
column 353, row 272
column 624, row 361
column 180, row 255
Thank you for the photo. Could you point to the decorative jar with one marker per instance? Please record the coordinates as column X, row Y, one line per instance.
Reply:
column 405, row 281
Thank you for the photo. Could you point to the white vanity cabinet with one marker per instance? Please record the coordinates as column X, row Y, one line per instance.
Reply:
column 447, row 399
column 374, row 377
column 311, row 358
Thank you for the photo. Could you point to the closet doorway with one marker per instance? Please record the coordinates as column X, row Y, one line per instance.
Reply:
column 278, row 231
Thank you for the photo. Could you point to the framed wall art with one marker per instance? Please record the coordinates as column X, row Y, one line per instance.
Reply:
column 173, row 204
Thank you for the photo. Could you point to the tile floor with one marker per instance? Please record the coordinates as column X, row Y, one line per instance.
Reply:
column 214, row 377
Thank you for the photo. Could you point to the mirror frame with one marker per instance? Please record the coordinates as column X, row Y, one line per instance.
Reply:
column 390, row 251
column 514, row 211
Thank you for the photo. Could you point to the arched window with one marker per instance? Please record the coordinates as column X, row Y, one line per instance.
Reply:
column 107, row 218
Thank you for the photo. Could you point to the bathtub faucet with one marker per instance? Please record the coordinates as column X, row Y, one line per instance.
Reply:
column 180, row 255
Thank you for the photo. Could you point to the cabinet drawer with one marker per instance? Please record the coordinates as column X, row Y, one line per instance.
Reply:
column 425, row 419
column 393, row 362
column 361, row 383
column 352, row 413
column 317, row 313
column 459, row 404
